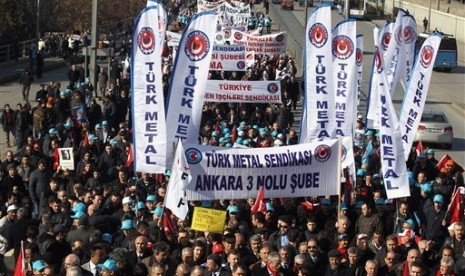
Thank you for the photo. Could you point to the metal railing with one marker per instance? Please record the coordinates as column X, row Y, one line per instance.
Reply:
column 11, row 52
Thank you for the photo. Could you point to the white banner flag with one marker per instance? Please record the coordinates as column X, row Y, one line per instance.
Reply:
column 319, row 105
column 395, row 57
column 359, row 62
column 344, row 70
column 373, row 95
column 149, row 134
column 188, row 81
column 291, row 171
column 393, row 162
column 272, row 44
column 175, row 198
column 228, row 58
column 415, row 97
column 347, row 155
column 410, row 37
column 243, row 91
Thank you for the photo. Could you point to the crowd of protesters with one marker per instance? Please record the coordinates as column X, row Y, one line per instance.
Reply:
column 102, row 218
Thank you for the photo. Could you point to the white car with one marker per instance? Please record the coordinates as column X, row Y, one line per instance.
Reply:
column 435, row 128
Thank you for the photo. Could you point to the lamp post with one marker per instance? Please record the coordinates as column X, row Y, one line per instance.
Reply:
column 306, row 13
column 429, row 17
column 94, row 45
column 38, row 20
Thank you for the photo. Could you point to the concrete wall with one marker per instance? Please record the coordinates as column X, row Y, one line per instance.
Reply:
column 444, row 22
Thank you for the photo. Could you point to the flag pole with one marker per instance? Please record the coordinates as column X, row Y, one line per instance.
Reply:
column 339, row 149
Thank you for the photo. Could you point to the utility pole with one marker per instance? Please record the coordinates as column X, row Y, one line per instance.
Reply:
column 94, row 45
column 306, row 13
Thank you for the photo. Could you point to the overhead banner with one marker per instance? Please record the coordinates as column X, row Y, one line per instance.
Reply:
column 203, row 5
column 344, row 70
column 393, row 163
column 172, row 39
column 272, row 44
column 188, row 81
column 208, row 220
column 228, row 58
column 415, row 97
column 149, row 128
column 243, row 91
column 318, row 108
column 233, row 17
column 410, row 37
column 291, row 171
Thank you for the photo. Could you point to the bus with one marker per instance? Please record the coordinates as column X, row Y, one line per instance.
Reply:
column 357, row 9
column 446, row 58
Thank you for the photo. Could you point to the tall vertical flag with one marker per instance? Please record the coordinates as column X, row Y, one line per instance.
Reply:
column 392, row 155
column 415, row 97
column 409, row 26
column 175, row 198
column 394, row 61
column 318, row 115
column 149, row 128
column 359, row 63
column 382, row 39
column 344, row 71
column 188, row 81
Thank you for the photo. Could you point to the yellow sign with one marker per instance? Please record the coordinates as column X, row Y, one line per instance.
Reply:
column 210, row 220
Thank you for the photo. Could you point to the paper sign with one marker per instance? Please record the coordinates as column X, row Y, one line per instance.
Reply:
column 210, row 220
column 66, row 158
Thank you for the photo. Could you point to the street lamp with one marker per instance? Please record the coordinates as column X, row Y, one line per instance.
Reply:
column 94, row 44
column 38, row 20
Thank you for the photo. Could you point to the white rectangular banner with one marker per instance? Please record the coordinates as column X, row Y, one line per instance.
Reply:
column 243, row 91
column 203, row 5
column 393, row 163
column 318, row 108
column 228, row 58
column 344, row 70
column 291, row 171
column 347, row 156
column 382, row 39
column 415, row 97
column 188, row 81
column 233, row 17
column 172, row 39
column 149, row 134
column 272, row 44
column 66, row 158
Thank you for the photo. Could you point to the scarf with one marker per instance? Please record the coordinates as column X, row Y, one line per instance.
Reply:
column 406, row 269
column 272, row 271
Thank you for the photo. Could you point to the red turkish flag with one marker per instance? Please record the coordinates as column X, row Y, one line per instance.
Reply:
column 259, row 205
column 419, row 148
column 456, row 206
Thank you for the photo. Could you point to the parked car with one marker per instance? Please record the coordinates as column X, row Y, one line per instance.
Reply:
column 287, row 5
column 435, row 128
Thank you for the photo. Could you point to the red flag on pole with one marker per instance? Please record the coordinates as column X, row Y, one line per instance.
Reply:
column 130, row 158
column 456, row 206
column 168, row 225
column 419, row 148
column 85, row 141
column 20, row 267
column 259, row 205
